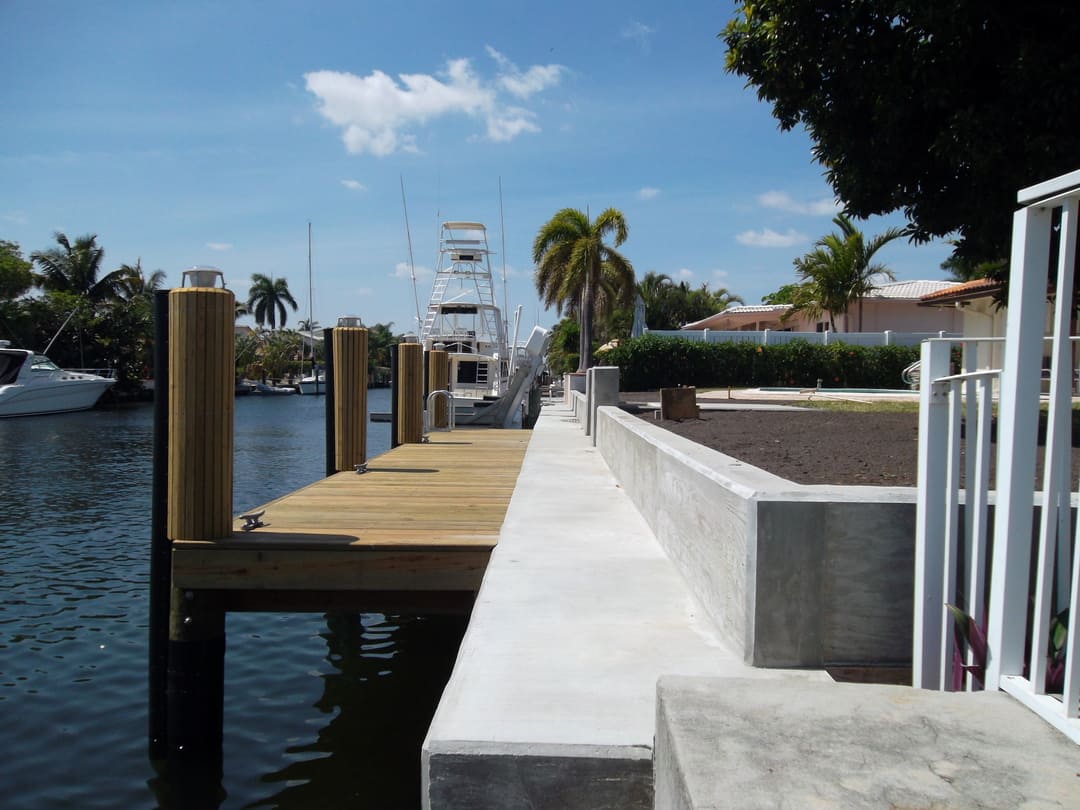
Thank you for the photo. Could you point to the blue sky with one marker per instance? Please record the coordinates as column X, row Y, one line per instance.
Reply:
column 211, row 133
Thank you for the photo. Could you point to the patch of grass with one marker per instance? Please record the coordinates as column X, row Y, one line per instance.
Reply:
column 851, row 406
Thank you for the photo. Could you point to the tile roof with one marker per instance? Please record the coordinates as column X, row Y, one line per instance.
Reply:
column 976, row 288
column 913, row 290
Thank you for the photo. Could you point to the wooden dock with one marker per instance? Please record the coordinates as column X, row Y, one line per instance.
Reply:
column 416, row 529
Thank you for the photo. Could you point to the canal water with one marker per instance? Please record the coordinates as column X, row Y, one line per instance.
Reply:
column 321, row 711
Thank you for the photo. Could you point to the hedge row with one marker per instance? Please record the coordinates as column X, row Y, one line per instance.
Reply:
column 651, row 362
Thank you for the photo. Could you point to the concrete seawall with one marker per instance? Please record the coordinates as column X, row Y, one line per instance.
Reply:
column 791, row 575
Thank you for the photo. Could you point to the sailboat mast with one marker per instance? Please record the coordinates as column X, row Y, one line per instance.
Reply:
column 412, row 266
column 310, row 323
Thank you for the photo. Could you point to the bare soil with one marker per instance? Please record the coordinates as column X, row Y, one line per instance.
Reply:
column 810, row 445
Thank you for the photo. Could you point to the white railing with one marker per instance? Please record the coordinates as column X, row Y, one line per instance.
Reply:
column 773, row 337
column 1029, row 652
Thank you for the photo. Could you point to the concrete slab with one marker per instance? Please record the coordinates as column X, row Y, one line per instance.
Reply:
column 790, row 744
column 580, row 612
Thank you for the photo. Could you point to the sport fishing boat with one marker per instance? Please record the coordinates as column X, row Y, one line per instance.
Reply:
column 488, row 381
column 462, row 317
column 31, row 384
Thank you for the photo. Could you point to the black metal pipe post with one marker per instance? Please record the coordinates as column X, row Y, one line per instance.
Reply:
column 395, row 385
column 331, row 438
column 160, row 547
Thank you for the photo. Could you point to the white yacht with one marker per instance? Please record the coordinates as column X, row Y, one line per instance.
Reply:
column 462, row 316
column 31, row 384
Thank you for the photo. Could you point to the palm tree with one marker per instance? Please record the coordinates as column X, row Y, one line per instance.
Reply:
column 577, row 271
column 267, row 298
column 136, row 284
column 839, row 271
column 73, row 268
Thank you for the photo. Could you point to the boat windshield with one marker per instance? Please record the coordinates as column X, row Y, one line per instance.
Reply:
column 9, row 367
column 43, row 363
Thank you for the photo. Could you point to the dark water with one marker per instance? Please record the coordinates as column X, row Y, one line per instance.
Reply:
column 321, row 711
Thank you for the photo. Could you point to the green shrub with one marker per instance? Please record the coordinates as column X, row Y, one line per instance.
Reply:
column 651, row 362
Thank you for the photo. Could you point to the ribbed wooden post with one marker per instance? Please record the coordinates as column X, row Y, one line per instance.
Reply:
column 410, row 370
column 350, row 396
column 201, row 398
column 438, row 377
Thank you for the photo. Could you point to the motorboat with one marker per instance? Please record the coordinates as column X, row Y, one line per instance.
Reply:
column 31, row 384
column 487, row 381
column 272, row 390
column 462, row 317
column 313, row 384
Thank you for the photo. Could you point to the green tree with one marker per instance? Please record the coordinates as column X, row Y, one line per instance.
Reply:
column 577, row 271
column 943, row 110
column 380, row 339
column 785, row 295
column 267, row 298
column 839, row 271
column 15, row 272
column 75, row 267
column 134, row 283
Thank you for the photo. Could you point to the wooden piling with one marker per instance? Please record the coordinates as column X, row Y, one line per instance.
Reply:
column 350, row 396
column 200, row 415
column 410, row 371
column 201, row 400
column 438, row 380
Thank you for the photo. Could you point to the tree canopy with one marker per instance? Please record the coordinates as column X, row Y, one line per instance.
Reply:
column 267, row 298
column 839, row 271
column 15, row 275
column 943, row 110
column 669, row 305
column 576, row 270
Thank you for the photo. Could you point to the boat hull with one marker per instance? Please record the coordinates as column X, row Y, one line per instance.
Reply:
column 61, row 397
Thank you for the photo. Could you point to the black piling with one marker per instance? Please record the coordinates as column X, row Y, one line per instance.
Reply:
column 160, row 547
column 328, row 362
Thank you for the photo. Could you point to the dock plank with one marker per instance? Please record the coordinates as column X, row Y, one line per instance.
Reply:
column 424, row 517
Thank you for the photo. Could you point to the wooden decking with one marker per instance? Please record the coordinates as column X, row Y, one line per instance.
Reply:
column 422, row 520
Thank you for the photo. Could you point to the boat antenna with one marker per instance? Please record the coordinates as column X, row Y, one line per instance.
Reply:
column 408, row 238
column 502, row 237
column 61, row 329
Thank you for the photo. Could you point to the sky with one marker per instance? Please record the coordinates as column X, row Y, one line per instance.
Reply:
column 212, row 133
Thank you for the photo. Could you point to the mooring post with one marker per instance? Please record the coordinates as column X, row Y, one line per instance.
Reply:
column 410, row 393
column 438, row 376
column 328, row 363
column 200, row 473
column 395, row 385
column 350, row 394
column 160, row 547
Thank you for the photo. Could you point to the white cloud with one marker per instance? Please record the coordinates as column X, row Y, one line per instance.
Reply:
column 363, row 292
column 402, row 270
column 767, row 237
column 639, row 33
column 785, row 202
column 720, row 275
column 647, row 193
column 528, row 83
column 219, row 246
column 377, row 114
column 16, row 217
column 354, row 185
column 684, row 274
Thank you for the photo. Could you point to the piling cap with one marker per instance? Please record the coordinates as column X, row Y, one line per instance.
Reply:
column 203, row 276
column 349, row 320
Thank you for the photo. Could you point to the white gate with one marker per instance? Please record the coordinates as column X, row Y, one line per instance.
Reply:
column 1030, row 641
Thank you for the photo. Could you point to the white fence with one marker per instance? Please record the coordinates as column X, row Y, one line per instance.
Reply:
column 773, row 337
column 1031, row 645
